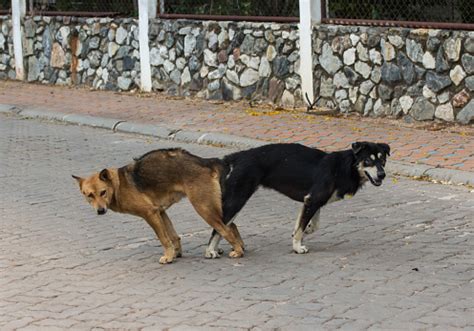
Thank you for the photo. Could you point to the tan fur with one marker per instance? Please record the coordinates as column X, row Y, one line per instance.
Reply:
column 165, row 177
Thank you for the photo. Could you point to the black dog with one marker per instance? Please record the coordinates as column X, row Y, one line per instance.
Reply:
column 301, row 173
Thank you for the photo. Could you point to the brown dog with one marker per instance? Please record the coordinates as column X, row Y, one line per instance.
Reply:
column 154, row 182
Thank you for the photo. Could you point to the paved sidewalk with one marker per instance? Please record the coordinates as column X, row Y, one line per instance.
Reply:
column 449, row 147
column 394, row 257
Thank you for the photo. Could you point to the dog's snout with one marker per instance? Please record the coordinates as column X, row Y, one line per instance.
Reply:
column 380, row 174
column 101, row 211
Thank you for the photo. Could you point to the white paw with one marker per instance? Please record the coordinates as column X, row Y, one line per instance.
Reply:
column 300, row 249
column 210, row 254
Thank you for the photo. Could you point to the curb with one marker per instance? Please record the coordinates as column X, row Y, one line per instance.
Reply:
column 443, row 175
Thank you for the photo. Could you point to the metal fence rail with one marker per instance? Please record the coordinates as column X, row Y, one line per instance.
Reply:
column 449, row 11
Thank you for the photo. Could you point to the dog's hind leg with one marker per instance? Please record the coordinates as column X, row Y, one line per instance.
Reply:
column 155, row 220
column 213, row 251
column 174, row 236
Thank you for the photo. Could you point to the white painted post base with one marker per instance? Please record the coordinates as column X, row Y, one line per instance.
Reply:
column 146, row 9
column 18, row 11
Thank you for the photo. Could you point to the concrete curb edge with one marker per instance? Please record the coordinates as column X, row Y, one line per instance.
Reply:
column 444, row 175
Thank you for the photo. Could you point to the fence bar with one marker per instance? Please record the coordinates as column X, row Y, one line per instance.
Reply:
column 309, row 10
column 145, row 69
column 230, row 18
column 18, row 11
column 406, row 24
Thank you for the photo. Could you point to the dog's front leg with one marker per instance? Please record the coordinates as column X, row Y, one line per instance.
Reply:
column 313, row 225
column 311, row 206
column 157, row 223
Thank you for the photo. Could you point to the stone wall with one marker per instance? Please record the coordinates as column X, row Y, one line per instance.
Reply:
column 7, row 59
column 225, row 60
column 397, row 72
column 418, row 74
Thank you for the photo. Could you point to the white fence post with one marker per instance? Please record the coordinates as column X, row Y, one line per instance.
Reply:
column 145, row 69
column 18, row 12
column 310, row 11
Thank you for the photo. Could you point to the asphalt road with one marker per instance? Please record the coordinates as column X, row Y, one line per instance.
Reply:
column 395, row 257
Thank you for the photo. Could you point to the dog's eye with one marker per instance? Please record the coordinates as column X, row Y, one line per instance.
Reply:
column 367, row 163
column 103, row 193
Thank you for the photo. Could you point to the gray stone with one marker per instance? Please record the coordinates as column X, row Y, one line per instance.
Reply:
column 363, row 68
column 168, row 66
column 248, row 77
column 280, row 66
column 210, row 58
column 94, row 58
column 422, row 110
column 124, row 83
column 113, row 48
column 432, row 44
column 396, row 41
column 468, row 63
column 376, row 75
column 265, row 69
column 445, row 112
column 375, row 56
column 94, row 43
column 214, row 85
column 391, row 73
column 349, row 56
column 354, row 39
column 33, row 68
column 457, row 74
column 47, row 42
column 175, row 76
column 180, row 63
column 351, row 75
column 385, row 92
column 212, row 42
column 441, row 62
column 30, row 28
column 444, row 97
column 185, row 76
column 406, row 67
column 292, row 83
column 340, row 80
column 271, row 53
column 287, row 99
column 452, row 49
column 330, row 63
column 360, row 104
column 232, row 76
column 469, row 81
column 218, row 73
column 366, row 87
column 155, row 57
column 414, row 50
column 406, row 102
column 326, row 89
column 247, row 45
column 395, row 109
column 368, row 107
column 437, row 82
column 469, row 45
column 429, row 61
column 466, row 115
column 362, row 52
column 120, row 35
column 340, row 95
column 189, row 44
column 353, row 93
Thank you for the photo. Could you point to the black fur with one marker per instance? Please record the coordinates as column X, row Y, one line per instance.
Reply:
column 296, row 171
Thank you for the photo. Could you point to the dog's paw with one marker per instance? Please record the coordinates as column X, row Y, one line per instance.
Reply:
column 300, row 250
column 212, row 254
column 236, row 254
column 166, row 259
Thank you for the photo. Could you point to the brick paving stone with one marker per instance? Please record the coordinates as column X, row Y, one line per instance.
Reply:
column 451, row 147
column 63, row 267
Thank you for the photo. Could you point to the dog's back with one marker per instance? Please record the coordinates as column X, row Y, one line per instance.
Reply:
column 164, row 168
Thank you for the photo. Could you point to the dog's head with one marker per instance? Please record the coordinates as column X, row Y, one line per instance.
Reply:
column 370, row 160
column 98, row 190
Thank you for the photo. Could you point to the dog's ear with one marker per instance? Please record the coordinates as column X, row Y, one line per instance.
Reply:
column 78, row 179
column 357, row 147
column 385, row 148
column 104, row 175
